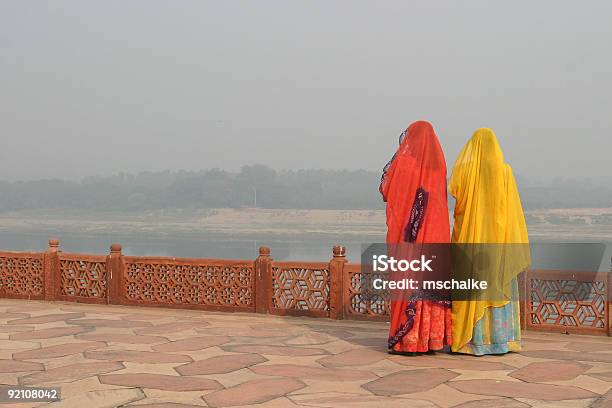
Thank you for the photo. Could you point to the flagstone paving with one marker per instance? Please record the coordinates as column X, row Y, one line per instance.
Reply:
column 116, row 356
column 220, row 364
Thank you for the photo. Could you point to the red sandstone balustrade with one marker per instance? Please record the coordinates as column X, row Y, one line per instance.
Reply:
column 300, row 289
column 212, row 284
column 568, row 301
column 22, row 275
column 558, row 301
column 81, row 278
column 361, row 300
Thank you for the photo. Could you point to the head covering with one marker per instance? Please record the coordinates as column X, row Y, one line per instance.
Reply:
column 414, row 186
column 487, row 211
column 488, row 207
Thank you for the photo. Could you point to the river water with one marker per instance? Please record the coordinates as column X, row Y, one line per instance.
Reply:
column 294, row 247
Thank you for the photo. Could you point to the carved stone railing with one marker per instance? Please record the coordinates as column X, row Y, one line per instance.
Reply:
column 82, row 278
column 558, row 301
column 362, row 301
column 195, row 283
column 22, row 275
column 569, row 301
column 300, row 288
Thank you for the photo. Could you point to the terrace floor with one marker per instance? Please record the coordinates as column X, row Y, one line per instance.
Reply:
column 111, row 356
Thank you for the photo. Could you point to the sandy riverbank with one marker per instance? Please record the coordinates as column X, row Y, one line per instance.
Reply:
column 563, row 224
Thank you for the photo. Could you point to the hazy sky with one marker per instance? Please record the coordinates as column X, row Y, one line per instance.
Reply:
column 99, row 87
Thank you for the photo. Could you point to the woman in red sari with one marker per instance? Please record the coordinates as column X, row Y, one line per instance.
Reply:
column 414, row 187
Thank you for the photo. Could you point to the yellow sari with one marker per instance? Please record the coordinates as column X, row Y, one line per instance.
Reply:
column 488, row 211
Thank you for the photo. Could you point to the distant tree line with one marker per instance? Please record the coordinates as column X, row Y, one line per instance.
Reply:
column 255, row 185
column 564, row 193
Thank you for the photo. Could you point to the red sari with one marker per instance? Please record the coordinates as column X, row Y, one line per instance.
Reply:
column 414, row 187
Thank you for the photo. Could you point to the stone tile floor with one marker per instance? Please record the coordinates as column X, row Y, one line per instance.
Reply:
column 115, row 356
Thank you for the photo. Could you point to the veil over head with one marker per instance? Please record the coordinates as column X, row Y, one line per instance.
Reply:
column 414, row 186
column 488, row 207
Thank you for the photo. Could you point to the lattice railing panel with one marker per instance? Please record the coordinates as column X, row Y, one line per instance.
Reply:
column 82, row 277
column 297, row 286
column 186, row 283
column 568, row 302
column 21, row 275
column 362, row 300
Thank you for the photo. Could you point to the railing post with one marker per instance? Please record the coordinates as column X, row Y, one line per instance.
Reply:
column 336, row 282
column 114, row 275
column 263, row 281
column 51, row 267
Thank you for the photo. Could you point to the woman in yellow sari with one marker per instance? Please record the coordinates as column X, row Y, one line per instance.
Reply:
column 488, row 211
